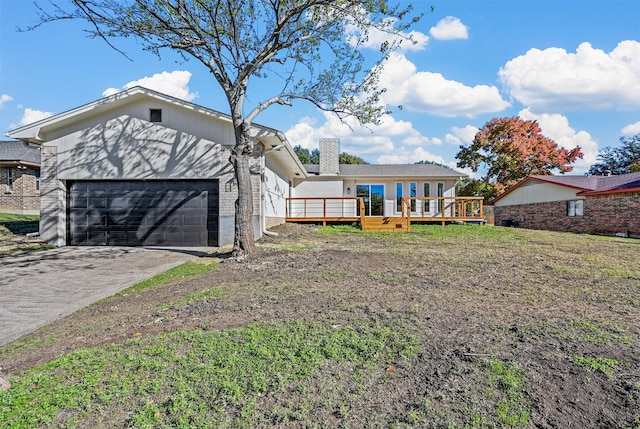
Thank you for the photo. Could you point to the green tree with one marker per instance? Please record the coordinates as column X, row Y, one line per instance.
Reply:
column 508, row 150
column 308, row 49
column 476, row 188
column 619, row 160
column 433, row 163
column 345, row 158
column 307, row 157
column 313, row 157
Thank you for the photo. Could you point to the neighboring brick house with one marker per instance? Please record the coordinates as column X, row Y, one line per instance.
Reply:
column 582, row 204
column 19, row 177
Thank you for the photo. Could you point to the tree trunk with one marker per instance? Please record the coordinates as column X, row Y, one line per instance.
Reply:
column 244, row 241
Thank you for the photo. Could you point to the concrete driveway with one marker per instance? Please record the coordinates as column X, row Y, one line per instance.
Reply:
column 39, row 288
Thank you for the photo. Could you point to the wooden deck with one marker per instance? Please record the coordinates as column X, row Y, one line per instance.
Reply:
column 441, row 210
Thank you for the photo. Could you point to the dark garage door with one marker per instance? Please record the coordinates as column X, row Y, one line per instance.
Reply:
column 143, row 213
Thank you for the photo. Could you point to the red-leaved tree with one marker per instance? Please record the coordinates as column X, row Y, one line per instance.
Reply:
column 508, row 150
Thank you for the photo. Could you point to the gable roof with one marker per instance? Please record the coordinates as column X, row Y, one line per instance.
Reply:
column 33, row 132
column 19, row 153
column 269, row 137
column 390, row 170
column 586, row 185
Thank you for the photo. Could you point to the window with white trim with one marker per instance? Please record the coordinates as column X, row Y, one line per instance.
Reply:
column 440, row 194
column 413, row 193
column 426, row 187
column 399, row 197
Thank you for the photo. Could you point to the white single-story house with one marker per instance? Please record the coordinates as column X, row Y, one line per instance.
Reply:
column 584, row 204
column 383, row 186
column 143, row 168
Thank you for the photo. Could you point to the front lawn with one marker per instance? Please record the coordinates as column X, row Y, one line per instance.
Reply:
column 456, row 327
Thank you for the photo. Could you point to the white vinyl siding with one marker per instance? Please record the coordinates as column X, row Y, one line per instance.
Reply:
column 276, row 189
column 533, row 191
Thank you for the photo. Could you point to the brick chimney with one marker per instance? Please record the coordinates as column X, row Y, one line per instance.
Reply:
column 329, row 157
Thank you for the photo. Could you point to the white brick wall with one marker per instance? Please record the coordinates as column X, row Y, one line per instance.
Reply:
column 329, row 156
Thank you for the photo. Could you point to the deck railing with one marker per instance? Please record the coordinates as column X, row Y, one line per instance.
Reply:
column 447, row 207
column 324, row 209
column 416, row 209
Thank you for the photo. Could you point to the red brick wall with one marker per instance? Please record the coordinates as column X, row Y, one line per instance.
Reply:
column 24, row 198
column 605, row 214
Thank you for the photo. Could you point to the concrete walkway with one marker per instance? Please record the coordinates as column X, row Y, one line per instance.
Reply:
column 39, row 288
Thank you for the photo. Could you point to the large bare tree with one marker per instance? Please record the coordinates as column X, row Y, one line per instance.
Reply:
column 312, row 48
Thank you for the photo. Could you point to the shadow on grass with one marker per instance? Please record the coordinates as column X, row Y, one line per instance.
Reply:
column 21, row 227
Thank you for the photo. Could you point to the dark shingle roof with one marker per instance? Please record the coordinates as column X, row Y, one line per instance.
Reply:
column 592, row 183
column 390, row 170
column 19, row 151
column 587, row 185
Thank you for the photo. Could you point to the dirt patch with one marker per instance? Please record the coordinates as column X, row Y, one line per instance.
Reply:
column 533, row 300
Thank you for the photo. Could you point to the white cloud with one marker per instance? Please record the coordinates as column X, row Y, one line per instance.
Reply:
column 557, row 128
column 431, row 93
column 587, row 79
column 31, row 115
column 392, row 142
column 304, row 134
column 461, row 136
column 449, row 28
column 175, row 84
column 412, row 156
column 4, row 98
column 631, row 130
column 418, row 41
column 383, row 32
column 367, row 142
column 412, row 41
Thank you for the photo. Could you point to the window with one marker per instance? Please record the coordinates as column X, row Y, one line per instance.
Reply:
column 9, row 179
column 413, row 193
column 37, row 174
column 575, row 208
column 427, row 193
column 440, row 194
column 399, row 197
column 155, row 115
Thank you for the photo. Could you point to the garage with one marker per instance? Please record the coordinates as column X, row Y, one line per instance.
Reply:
column 176, row 213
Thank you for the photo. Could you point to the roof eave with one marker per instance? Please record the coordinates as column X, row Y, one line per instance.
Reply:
column 34, row 132
column 620, row 190
column 292, row 160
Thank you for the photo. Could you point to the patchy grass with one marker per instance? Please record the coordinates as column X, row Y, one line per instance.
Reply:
column 195, row 378
column 506, row 384
column 597, row 364
column 454, row 327
column 180, row 272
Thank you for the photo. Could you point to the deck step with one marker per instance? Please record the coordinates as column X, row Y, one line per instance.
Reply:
column 385, row 224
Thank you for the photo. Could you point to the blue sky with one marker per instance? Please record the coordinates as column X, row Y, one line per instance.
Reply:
column 573, row 65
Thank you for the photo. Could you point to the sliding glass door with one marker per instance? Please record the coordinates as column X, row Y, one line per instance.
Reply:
column 373, row 196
